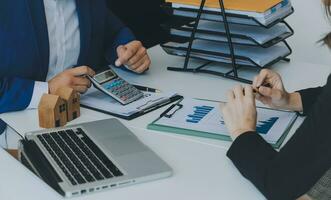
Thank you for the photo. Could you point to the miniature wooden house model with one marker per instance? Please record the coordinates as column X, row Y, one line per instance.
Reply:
column 72, row 100
column 52, row 111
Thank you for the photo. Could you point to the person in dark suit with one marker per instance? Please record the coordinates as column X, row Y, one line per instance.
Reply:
column 47, row 44
column 145, row 19
column 302, row 166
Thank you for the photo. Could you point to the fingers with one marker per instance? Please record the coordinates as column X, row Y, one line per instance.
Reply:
column 80, row 84
column 141, row 53
column 139, row 63
column 264, row 100
column 120, row 52
column 249, row 92
column 222, row 106
column 269, row 92
column 260, row 79
column 238, row 92
column 127, row 52
column 142, row 65
column 230, row 95
column 265, row 91
column 80, row 81
column 81, row 71
column 79, row 88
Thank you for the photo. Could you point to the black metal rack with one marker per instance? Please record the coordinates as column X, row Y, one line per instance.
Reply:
column 233, row 73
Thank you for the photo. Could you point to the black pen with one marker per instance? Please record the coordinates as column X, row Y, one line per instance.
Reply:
column 146, row 89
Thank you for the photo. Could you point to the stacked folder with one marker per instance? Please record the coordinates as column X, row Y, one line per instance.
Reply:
column 257, row 29
column 241, row 34
column 219, row 52
column 264, row 12
column 240, row 5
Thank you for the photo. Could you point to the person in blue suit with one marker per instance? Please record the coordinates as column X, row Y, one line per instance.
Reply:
column 47, row 44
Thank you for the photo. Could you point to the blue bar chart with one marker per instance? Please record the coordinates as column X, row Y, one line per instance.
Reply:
column 204, row 118
column 198, row 114
column 263, row 127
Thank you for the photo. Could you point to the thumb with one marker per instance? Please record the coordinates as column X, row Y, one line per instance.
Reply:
column 269, row 92
column 120, row 51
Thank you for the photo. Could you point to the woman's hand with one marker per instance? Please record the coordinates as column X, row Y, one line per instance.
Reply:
column 134, row 56
column 239, row 112
column 270, row 91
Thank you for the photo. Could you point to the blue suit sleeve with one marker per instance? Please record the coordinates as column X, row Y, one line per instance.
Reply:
column 15, row 94
column 116, row 34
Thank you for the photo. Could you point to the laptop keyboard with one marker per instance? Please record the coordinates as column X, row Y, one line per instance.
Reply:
column 80, row 159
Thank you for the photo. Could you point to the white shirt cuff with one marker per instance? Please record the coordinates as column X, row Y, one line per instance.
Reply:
column 39, row 89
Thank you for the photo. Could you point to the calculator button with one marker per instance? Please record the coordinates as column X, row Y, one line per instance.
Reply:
column 137, row 92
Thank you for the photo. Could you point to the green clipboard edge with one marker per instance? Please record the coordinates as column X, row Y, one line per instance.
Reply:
column 182, row 131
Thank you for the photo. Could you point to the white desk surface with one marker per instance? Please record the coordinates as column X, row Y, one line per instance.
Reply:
column 201, row 168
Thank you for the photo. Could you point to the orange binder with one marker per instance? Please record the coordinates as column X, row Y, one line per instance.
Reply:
column 259, row 6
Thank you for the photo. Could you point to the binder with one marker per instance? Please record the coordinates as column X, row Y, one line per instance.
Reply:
column 267, row 19
column 275, row 140
column 102, row 102
column 243, row 5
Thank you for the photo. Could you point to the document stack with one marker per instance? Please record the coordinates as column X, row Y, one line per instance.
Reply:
column 240, row 33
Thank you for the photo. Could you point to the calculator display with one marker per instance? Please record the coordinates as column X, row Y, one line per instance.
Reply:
column 105, row 76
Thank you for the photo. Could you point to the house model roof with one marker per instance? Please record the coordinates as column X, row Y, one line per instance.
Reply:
column 49, row 101
column 65, row 92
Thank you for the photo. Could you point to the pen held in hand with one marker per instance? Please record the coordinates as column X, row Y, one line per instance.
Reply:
column 256, row 90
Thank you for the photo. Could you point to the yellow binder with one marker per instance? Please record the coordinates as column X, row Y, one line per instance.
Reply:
column 260, row 6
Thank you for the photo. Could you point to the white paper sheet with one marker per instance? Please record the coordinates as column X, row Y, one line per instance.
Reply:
column 271, row 123
column 259, row 34
column 96, row 99
column 261, row 56
column 264, row 18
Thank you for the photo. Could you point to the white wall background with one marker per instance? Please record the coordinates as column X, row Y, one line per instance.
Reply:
column 310, row 24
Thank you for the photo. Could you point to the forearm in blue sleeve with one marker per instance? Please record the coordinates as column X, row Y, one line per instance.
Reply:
column 15, row 94
column 124, row 36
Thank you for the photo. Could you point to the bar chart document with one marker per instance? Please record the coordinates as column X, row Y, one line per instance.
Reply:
column 203, row 118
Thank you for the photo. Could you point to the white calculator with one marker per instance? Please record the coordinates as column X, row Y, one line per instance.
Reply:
column 111, row 84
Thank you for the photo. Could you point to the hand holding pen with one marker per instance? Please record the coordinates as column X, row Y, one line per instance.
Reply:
column 270, row 91
column 74, row 78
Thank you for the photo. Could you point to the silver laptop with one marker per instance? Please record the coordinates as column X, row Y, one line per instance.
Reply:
column 90, row 157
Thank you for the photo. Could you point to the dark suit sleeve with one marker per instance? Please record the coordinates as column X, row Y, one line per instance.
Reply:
column 116, row 34
column 291, row 172
column 309, row 97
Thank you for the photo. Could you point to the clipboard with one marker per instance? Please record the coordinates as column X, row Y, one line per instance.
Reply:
column 134, row 113
column 176, row 108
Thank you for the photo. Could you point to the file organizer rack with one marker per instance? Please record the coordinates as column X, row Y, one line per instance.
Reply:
column 233, row 73
column 233, row 35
